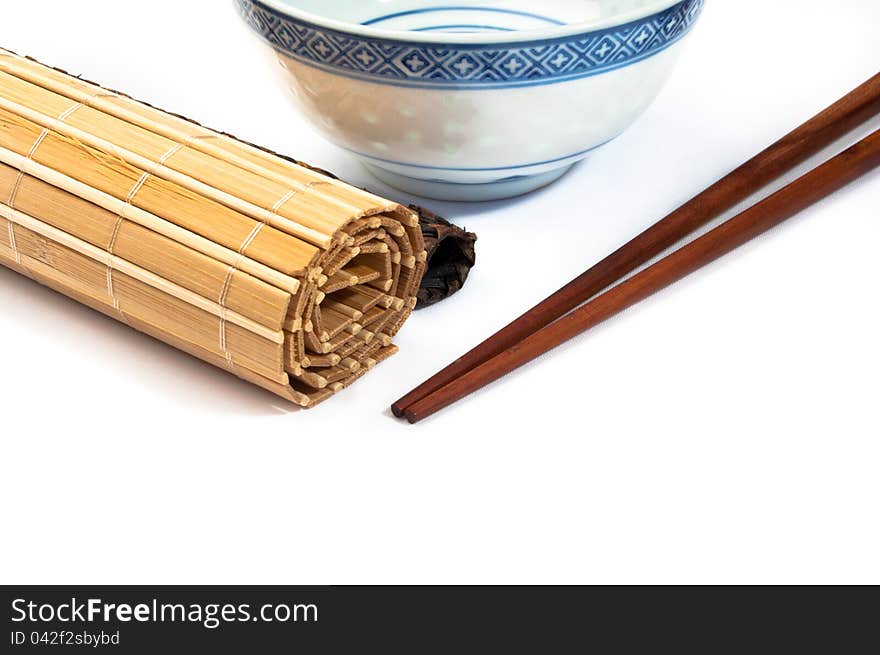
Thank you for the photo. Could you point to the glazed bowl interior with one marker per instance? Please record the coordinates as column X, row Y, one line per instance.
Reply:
column 495, row 19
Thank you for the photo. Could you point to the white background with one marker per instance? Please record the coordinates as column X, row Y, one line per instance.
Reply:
column 725, row 431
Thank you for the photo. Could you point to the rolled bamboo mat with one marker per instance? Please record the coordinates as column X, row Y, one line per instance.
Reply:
column 287, row 277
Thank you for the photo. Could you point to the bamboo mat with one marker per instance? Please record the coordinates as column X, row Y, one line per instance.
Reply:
column 274, row 271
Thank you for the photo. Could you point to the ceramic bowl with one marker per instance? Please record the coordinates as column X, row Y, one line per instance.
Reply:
column 473, row 99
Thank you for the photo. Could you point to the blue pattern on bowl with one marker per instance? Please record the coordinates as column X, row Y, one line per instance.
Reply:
column 444, row 65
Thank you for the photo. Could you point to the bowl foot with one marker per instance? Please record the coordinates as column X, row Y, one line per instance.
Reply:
column 439, row 190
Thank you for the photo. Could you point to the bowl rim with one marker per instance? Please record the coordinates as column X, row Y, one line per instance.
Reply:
column 651, row 8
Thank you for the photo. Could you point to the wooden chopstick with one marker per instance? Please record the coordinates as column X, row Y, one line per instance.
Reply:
column 817, row 133
column 800, row 194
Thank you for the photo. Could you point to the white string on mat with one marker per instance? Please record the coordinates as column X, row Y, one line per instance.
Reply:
column 227, row 284
column 12, row 244
column 230, row 272
column 283, row 200
column 177, row 147
column 129, row 200
column 110, row 289
column 302, row 189
column 224, row 345
column 63, row 116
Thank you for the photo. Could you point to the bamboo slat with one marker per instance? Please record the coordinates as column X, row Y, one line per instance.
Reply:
column 254, row 263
